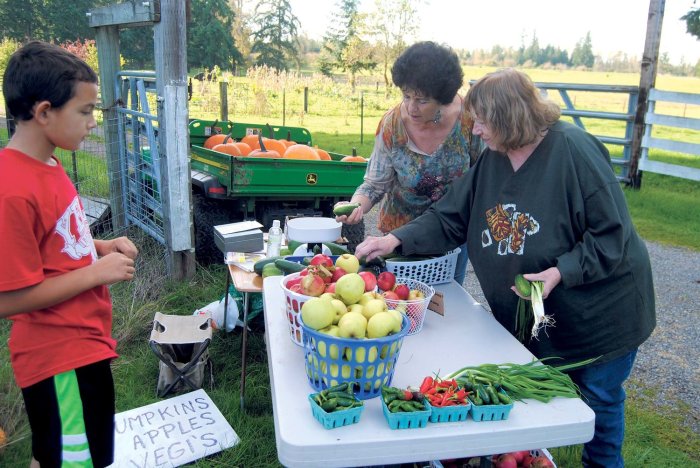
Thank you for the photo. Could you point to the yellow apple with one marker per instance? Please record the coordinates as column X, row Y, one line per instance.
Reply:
column 398, row 316
column 380, row 324
column 340, row 310
column 317, row 313
column 369, row 296
column 348, row 262
column 361, row 354
column 352, row 325
column 333, row 350
column 350, row 288
column 373, row 307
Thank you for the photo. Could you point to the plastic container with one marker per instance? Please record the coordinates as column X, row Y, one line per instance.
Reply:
column 274, row 239
column 414, row 309
column 412, row 420
column 491, row 412
column 336, row 418
column 369, row 363
column 292, row 309
column 454, row 413
column 434, row 271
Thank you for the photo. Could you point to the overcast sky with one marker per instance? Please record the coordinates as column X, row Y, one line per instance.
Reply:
column 615, row 25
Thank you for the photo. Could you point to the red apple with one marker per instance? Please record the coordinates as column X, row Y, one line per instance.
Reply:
column 527, row 461
column 520, row 455
column 390, row 295
column 369, row 279
column 337, row 273
column 402, row 291
column 541, row 462
column 330, row 287
column 295, row 288
column 386, row 280
column 304, row 272
column 292, row 282
column 506, row 461
column 321, row 259
column 313, row 285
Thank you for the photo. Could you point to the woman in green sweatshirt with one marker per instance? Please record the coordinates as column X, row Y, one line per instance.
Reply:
column 543, row 200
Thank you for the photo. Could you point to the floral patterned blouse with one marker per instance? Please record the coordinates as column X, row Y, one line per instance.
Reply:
column 409, row 179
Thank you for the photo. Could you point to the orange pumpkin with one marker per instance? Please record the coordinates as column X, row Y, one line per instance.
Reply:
column 354, row 159
column 214, row 140
column 275, row 145
column 262, row 151
column 323, row 154
column 228, row 148
column 251, row 140
column 244, row 147
column 301, row 152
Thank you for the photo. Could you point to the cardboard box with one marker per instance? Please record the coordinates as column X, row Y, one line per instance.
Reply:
column 235, row 237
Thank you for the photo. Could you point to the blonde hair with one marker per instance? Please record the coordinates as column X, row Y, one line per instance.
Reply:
column 512, row 107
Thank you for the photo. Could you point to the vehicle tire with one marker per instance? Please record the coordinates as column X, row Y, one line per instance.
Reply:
column 354, row 233
column 206, row 214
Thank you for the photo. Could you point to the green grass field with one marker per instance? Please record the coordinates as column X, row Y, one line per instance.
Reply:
column 665, row 210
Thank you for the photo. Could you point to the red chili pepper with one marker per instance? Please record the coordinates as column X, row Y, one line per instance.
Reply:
column 461, row 394
column 444, row 384
column 430, row 391
column 427, row 384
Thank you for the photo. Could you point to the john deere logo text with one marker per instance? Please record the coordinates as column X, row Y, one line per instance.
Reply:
column 311, row 179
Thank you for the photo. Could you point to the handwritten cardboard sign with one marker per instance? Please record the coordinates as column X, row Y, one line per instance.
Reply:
column 437, row 303
column 171, row 432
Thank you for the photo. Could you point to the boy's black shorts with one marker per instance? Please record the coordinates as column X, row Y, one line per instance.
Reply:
column 72, row 417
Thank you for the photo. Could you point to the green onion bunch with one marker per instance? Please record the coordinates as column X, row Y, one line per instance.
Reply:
column 535, row 379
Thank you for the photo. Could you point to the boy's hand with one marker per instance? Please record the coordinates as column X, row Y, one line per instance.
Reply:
column 120, row 244
column 114, row 267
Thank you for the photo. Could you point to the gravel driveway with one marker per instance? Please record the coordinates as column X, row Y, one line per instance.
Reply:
column 669, row 360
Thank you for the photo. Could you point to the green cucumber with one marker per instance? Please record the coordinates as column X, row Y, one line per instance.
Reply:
column 260, row 264
column 523, row 286
column 293, row 245
column 336, row 249
column 288, row 267
column 345, row 210
column 271, row 269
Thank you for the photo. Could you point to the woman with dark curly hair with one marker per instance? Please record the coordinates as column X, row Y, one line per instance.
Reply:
column 421, row 145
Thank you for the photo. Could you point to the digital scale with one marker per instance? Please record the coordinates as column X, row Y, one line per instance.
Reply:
column 312, row 232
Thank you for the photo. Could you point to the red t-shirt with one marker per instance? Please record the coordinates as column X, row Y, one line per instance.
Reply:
column 44, row 233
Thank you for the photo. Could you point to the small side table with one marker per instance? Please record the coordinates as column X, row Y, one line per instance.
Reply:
column 245, row 282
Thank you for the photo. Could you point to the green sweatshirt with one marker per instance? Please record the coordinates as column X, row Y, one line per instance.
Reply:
column 564, row 208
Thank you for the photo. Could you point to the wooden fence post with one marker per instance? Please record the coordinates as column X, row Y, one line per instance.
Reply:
column 223, row 98
column 107, row 42
column 170, row 35
column 646, row 82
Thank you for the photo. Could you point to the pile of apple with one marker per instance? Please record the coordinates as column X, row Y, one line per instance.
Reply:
column 519, row 459
column 344, row 301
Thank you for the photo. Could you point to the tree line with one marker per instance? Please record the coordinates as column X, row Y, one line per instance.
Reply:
column 236, row 34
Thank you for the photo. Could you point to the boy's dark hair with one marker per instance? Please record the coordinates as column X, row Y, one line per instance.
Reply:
column 431, row 69
column 39, row 72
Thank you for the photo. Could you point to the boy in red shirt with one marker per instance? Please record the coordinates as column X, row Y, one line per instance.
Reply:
column 53, row 275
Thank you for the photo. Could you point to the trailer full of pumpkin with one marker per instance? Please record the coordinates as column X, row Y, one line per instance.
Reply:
column 282, row 174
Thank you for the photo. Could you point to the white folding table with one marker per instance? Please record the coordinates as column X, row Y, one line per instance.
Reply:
column 466, row 335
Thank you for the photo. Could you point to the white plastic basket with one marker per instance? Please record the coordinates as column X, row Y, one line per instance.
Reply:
column 413, row 309
column 434, row 271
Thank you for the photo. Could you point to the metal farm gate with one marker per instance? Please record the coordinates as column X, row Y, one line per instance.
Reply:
column 139, row 155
